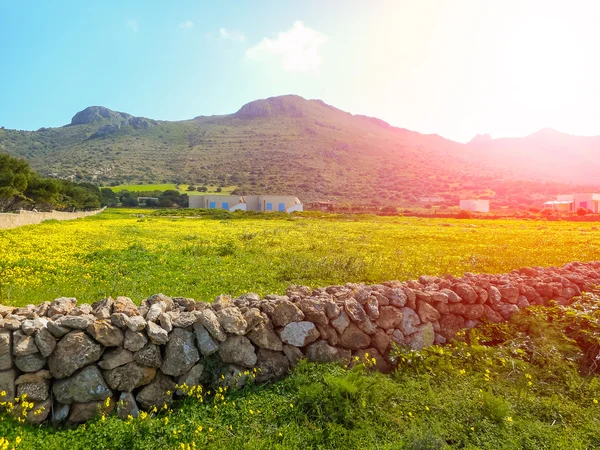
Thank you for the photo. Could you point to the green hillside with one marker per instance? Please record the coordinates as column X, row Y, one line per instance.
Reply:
column 283, row 144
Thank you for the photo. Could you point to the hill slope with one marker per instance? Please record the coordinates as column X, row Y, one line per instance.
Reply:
column 285, row 144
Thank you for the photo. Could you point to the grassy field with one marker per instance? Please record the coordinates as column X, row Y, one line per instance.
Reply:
column 225, row 190
column 123, row 252
column 525, row 392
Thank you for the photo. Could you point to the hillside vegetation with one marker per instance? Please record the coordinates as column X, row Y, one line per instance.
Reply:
column 287, row 145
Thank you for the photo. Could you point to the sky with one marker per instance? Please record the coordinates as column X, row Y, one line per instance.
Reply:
column 451, row 67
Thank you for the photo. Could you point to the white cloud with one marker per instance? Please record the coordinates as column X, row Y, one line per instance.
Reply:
column 231, row 35
column 186, row 25
column 133, row 25
column 298, row 48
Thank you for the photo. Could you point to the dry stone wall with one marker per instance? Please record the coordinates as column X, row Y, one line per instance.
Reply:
column 71, row 359
column 10, row 220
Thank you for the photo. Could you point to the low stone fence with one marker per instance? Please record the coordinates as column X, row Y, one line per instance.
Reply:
column 10, row 220
column 70, row 360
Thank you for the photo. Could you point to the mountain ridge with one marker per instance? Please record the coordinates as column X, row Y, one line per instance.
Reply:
column 289, row 144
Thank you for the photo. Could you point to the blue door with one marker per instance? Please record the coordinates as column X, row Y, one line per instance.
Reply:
column 212, row 205
column 225, row 205
column 281, row 207
column 269, row 206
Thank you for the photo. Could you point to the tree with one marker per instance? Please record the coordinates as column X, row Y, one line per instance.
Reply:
column 14, row 178
column 43, row 191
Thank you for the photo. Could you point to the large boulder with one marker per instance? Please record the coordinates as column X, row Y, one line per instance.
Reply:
column 314, row 310
column 106, row 333
column 158, row 393
column 423, row 337
column 181, row 353
column 426, row 312
column 238, row 350
column 389, row 317
column 125, row 306
column 85, row 386
column 354, row 309
column 157, row 334
column 206, row 343
column 271, row 365
column 299, row 333
column 354, row 338
column 210, row 321
column 149, row 356
column 232, row 320
column 128, row 377
column 321, row 351
column 45, row 342
column 62, row 306
column 466, row 292
column 5, row 349
column 340, row 322
column 30, row 363
column 410, row 321
column 115, row 357
column 73, row 351
column 263, row 336
column 134, row 340
column 23, row 345
column 285, row 313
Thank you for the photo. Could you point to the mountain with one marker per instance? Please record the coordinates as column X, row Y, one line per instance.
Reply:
column 546, row 154
column 283, row 144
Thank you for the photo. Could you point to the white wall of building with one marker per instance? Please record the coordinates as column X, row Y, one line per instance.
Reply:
column 475, row 205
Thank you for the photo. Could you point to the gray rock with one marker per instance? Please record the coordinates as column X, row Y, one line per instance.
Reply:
column 127, row 406
column 314, row 310
column 45, row 341
column 210, row 321
column 320, row 351
column 59, row 413
column 253, row 317
column 30, row 363
column 206, row 343
column 293, row 354
column 271, row 365
column 157, row 334
column 232, row 320
column 56, row 330
column 410, row 321
column 119, row 319
column 134, row 340
column 389, row 317
column 125, row 306
column 426, row 312
column 180, row 354
column 155, row 311
column 37, row 414
column 7, row 384
column 61, row 306
column 165, row 322
column 73, row 351
column 135, row 323
column 23, row 345
column 130, row 376
column 238, row 350
column 423, row 337
column 85, row 386
column 299, row 333
column 263, row 336
column 157, row 393
column 184, row 320
column 285, row 313
column 354, row 338
column 106, row 333
column 191, row 378
column 75, row 322
column 149, row 356
column 161, row 298
column 35, row 392
column 340, row 322
column 355, row 311
column 5, row 350
column 31, row 326
column 115, row 357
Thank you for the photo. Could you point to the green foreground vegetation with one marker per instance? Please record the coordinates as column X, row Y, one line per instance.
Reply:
column 529, row 384
column 124, row 252
column 509, row 386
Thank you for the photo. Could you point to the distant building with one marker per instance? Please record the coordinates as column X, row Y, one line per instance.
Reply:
column 263, row 203
column 475, row 205
column 572, row 202
column 143, row 201
column 320, row 206
column 431, row 199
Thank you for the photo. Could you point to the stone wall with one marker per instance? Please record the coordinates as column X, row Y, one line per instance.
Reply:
column 10, row 220
column 72, row 359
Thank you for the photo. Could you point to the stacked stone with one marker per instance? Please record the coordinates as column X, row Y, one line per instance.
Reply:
column 69, row 360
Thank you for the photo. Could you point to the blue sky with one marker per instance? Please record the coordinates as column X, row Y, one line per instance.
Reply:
column 452, row 67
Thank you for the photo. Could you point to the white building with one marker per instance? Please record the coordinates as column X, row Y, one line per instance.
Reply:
column 475, row 205
column 572, row 202
column 264, row 203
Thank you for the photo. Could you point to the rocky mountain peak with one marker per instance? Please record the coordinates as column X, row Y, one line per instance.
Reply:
column 96, row 113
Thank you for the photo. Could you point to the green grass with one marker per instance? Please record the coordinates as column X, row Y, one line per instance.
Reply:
column 123, row 252
column 462, row 396
column 466, row 396
column 225, row 190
